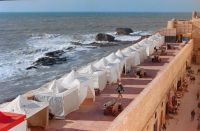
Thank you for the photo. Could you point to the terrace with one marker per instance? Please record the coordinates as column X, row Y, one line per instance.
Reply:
column 90, row 115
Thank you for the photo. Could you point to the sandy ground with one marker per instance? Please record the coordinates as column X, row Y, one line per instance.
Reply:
column 182, row 121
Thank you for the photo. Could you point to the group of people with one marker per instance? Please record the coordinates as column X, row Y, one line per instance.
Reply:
column 196, row 113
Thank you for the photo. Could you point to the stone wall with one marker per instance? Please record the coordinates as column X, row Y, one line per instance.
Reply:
column 140, row 112
column 196, row 38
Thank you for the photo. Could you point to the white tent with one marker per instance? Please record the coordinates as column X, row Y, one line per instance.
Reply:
column 99, row 80
column 82, row 82
column 21, row 105
column 112, row 58
column 65, row 94
column 161, row 38
column 141, row 50
column 150, row 46
column 62, row 101
column 157, row 39
column 126, row 60
column 68, row 79
column 135, row 56
column 112, row 71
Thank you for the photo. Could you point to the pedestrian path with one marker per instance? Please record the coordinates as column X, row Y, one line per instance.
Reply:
column 182, row 121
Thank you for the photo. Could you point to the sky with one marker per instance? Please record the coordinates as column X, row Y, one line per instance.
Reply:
column 99, row 5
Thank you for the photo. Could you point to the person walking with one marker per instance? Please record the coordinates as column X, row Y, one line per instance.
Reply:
column 198, row 105
column 197, row 95
column 120, row 90
column 192, row 115
column 198, row 125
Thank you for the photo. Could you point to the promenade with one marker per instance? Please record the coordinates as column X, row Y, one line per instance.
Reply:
column 90, row 116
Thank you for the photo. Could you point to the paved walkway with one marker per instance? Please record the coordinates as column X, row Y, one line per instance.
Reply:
column 182, row 121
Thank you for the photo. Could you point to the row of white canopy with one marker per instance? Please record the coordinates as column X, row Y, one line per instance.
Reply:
column 66, row 94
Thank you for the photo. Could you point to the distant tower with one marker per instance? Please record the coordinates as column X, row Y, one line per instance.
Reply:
column 194, row 14
column 171, row 24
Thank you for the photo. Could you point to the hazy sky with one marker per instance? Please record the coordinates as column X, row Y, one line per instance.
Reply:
column 100, row 5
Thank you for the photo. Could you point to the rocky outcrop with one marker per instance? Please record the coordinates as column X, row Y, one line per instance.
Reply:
column 31, row 67
column 50, row 58
column 56, row 53
column 107, row 44
column 70, row 48
column 124, row 31
column 76, row 43
column 48, row 61
column 104, row 37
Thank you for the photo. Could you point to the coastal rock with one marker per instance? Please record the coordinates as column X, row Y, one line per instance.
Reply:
column 107, row 44
column 104, row 37
column 70, row 48
column 48, row 61
column 124, row 31
column 56, row 53
column 76, row 43
column 31, row 67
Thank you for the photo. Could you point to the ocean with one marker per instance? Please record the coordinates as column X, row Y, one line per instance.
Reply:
column 25, row 37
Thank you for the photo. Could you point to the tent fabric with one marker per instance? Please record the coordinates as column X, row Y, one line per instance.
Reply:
column 60, row 104
column 157, row 39
column 152, row 45
column 99, row 76
column 141, row 51
column 133, row 54
column 149, row 46
column 54, row 87
column 138, row 55
column 161, row 38
column 59, row 95
column 69, row 78
column 126, row 60
column 21, row 105
column 90, row 69
column 80, row 81
column 111, row 70
column 113, row 59
column 77, row 89
column 84, row 87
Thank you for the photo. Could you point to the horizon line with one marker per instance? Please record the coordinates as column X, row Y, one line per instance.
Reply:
column 96, row 12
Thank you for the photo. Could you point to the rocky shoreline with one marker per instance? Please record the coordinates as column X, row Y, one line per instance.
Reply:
column 101, row 40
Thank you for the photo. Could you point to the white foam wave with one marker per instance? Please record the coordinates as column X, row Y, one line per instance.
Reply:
column 131, row 37
column 12, row 64
column 127, row 38
column 84, row 39
column 142, row 33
